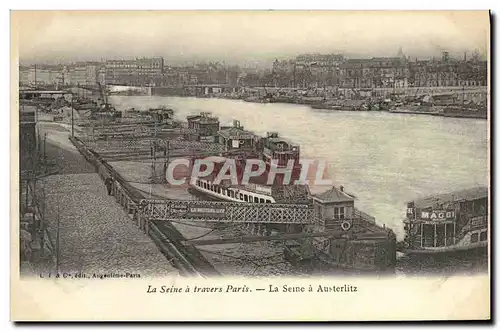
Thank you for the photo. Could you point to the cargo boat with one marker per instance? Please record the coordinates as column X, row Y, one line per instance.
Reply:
column 448, row 223
column 417, row 108
column 465, row 112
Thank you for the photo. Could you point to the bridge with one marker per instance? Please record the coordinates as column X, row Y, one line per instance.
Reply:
column 227, row 212
column 207, row 211
column 30, row 94
column 211, row 88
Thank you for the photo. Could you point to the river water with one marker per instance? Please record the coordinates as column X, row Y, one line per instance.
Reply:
column 384, row 159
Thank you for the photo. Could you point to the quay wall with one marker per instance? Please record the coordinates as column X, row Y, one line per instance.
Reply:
column 167, row 91
column 469, row 92
column 188, row 260
column 475, row 94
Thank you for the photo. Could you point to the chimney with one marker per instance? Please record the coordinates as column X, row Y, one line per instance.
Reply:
column 341, row 188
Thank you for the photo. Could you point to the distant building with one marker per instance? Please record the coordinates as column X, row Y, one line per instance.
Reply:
column 92, row 74
column 101, row 75
column 389, row 71
column 24, row 76
column 318, row 70
column 141, row 71
column 39, row 76
column 356, row 73
column 77, row 75
column 318, row 60
column 448, row 72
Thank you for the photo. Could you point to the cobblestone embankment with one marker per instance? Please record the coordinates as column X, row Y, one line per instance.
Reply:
column 95, row 234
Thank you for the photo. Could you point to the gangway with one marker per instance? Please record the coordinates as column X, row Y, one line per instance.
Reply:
column 227, row 212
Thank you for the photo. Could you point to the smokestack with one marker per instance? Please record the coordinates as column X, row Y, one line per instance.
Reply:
column 341, row 188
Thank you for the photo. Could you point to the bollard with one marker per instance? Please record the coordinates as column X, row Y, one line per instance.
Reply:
column 138, row 219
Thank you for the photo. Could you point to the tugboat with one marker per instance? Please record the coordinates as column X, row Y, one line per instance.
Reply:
column 448, row 223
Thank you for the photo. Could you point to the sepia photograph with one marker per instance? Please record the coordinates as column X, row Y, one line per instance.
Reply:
column 200, row 147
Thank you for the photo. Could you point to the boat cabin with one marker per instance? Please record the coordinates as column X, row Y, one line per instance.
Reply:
column 445, row 220
column 162, row 115
column 256, row 190
column 280, row 150
column 204, row 124
column 236, row 139
column 333, row 207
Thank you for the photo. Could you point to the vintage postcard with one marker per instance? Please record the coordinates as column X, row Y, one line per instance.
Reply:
column 250, row 165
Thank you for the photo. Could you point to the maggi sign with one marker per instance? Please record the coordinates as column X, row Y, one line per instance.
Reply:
column 438, row 215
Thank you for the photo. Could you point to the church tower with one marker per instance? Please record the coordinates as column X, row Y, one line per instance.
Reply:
column 400, row 54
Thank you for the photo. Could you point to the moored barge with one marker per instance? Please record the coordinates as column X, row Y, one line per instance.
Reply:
column 274, row 151
column 448, row 223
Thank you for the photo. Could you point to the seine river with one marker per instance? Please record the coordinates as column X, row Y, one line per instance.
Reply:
column 384, row 159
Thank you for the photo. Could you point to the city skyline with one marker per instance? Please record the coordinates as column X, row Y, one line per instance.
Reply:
column 253, row 38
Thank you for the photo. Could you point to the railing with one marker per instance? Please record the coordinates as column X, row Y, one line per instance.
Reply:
column 227, row 212
column 474, row 222
column 136, row 144
column 123, row 198
column 364, row 216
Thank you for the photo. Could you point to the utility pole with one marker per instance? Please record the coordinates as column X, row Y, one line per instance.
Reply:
column 72, row 118
column 166, row 156
column 153, row 158
column 44, row 147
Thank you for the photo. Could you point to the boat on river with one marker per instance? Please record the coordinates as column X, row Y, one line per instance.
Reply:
column 243, row 146
column 448, row 223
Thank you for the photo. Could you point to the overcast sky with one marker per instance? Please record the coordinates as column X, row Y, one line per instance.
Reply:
column 237, row 37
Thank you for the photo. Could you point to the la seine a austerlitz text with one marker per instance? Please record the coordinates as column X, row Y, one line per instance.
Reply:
column 345, row 288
